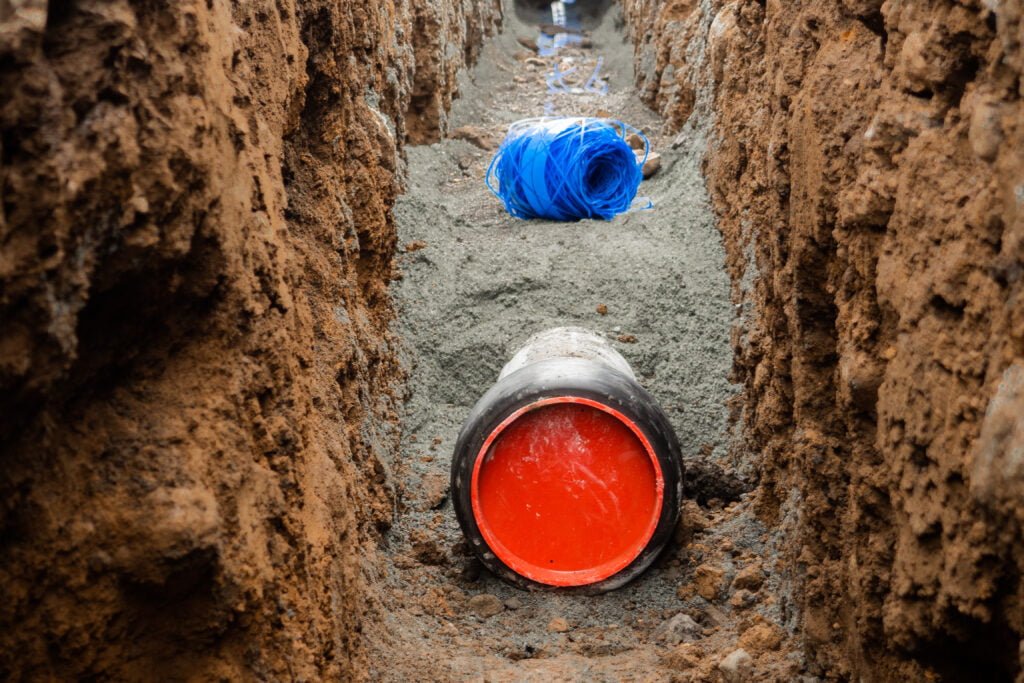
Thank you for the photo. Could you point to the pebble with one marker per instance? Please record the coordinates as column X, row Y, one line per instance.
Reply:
column 737, row 666
column 513, row 603
column 679, row 629
column 652, row 165
column 602, row 309
column 558, row 625
column 527, row 42
column 486, row 605
column 415, row 245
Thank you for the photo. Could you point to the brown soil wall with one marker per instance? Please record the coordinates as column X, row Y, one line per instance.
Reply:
column 868, row 171
column 196, row 237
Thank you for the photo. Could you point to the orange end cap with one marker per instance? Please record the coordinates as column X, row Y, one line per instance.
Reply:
column 567, row 491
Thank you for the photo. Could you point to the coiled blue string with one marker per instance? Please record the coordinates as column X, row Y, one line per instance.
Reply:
column 566, row 169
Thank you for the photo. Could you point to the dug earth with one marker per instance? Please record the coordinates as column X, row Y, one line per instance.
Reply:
column 199, row 377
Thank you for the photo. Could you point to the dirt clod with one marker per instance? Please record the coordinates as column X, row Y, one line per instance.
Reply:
column 750, row 577
column 434, row 491
column 559, row 625
column 477, row 136
column 429, row 552
column 707, row 579
column 684, row 657
column 761, row 638
column 486, row 605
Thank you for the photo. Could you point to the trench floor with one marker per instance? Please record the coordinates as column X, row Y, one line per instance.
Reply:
column 475, row 284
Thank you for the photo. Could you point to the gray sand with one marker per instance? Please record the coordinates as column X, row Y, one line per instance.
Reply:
column 485, row 282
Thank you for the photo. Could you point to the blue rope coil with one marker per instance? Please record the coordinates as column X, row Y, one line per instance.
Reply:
column 566, row 169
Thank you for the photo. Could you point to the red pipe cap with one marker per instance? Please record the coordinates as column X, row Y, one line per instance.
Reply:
column 567, row 491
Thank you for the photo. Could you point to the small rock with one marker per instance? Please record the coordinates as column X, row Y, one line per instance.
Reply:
column 527, row 42
column 708, row 580
column 679, row 629
column 476, row 136
column 513, row 603
column 602, row 309
column 651, row 166
column 636, row 142
column 627, row 338
column 536, row 61
column 555, row 29
column 683, row 657
column 737, row 666
column 486, row 605
column 415, row 245
column 761, row 638
column 558, row 625
column 750, row 577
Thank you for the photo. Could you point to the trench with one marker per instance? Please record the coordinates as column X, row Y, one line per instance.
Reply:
column 245, row 307
column 475, row 284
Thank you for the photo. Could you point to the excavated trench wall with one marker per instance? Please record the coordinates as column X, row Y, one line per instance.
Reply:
column 196, row 373
column 868, row 172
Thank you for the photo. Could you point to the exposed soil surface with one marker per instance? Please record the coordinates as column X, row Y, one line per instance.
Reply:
column 196, row 373
column 232, row 368
column 475, row 284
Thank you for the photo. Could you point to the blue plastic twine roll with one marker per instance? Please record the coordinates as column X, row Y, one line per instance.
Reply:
column 566, row 169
